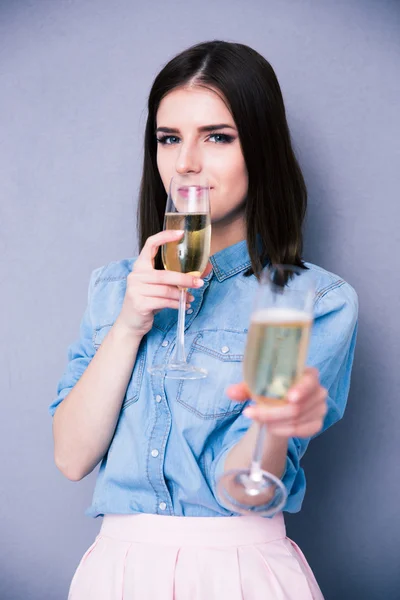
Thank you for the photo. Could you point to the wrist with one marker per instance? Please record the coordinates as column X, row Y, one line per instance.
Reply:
column 282, row 439
column 269, row 435
column 125, row 333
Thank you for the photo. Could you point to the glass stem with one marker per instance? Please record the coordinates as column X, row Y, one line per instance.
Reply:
column 180, row 356
column 255, row 469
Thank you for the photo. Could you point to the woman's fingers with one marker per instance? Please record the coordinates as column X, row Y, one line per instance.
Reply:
column 301, row 414
column 149, row 305
column 157, row 310
column 239, row 392
column 300, row 419
column 162, row 291
column 288, row 413
column 150, row 249
column 306, row 386
column 303, row 430
column 171, row 278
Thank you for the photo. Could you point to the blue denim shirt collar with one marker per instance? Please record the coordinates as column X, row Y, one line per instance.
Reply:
column 231, row 260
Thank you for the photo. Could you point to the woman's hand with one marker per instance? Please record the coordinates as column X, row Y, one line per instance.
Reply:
column 303, row 414
column 150, row 290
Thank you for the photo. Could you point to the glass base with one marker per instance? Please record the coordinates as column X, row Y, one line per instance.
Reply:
column 260, row 493
column 178, row 371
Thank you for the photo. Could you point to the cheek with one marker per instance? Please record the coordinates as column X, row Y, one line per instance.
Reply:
column 232, row 175
column 239, row 179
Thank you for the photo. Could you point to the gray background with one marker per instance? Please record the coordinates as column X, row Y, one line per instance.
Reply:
column 74, row 76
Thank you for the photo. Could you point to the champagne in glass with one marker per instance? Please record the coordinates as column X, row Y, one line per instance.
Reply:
column 190, row 254
column 187, row 210
column 275, row 356
column 276, row 352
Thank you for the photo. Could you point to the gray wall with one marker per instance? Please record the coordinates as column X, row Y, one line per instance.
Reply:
column 73, row 82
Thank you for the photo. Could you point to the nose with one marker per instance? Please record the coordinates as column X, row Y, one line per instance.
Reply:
column 188, row 160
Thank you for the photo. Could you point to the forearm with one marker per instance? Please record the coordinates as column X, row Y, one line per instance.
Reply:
column 84, row 423
column 273, row 456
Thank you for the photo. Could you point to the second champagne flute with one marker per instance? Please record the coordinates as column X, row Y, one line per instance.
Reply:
column 187, row 209
column 275, row 357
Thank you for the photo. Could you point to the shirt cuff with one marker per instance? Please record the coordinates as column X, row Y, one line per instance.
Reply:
column 288, row 478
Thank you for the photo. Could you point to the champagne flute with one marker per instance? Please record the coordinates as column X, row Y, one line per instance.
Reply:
column 275, row 356
column 187, row 209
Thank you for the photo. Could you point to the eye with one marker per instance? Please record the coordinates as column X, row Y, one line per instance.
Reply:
column 221, row 138
column 168, row 140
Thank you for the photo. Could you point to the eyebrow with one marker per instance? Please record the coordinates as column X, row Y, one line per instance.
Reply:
column 204, row 129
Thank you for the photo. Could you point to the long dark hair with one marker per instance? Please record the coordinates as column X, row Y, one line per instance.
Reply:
column 277, row 196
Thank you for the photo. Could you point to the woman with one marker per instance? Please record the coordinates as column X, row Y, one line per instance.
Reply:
column 215, row 110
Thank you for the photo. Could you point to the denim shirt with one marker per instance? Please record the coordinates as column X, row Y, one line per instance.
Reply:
column 172, row 436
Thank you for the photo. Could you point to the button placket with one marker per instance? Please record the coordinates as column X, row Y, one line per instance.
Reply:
column 156, row 450
column 163, row 420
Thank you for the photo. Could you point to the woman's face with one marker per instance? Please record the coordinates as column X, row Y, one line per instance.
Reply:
column 197, row 135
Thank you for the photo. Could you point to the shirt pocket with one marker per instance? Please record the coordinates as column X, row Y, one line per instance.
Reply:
column 135, row 382
column 221, row 354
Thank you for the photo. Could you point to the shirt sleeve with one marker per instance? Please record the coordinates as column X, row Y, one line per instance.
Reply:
column 331, row 352
column 79, row 354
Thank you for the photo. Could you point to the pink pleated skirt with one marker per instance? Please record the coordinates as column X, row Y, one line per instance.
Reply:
column 153, row 557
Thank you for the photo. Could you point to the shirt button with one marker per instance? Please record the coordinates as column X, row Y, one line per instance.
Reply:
column 154, row 453
column 162, row 506
column 158, row 398
column 189, row 312
column 164, row 344
column 224, row 349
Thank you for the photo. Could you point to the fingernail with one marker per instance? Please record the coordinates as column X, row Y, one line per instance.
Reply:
column 191, row 298
column 198, row 282
column 248, row 412
column 293, row 396
column 179, row 232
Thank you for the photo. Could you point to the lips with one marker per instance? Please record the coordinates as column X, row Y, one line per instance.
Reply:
column 193, row 191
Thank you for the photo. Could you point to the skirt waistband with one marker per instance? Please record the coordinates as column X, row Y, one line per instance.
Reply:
column 193, row 531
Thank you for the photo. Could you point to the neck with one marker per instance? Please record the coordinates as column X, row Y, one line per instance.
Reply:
column 227, row 234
